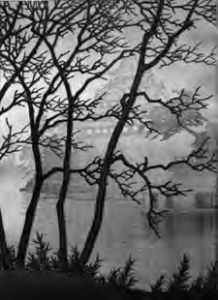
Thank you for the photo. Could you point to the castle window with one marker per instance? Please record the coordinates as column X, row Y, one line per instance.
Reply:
column 89, row 131
column 105, row 131
column 98, row 131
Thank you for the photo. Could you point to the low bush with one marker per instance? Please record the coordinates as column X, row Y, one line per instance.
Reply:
column 42, row 278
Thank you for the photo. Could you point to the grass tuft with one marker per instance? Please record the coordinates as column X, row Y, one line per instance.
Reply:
column 121, row 279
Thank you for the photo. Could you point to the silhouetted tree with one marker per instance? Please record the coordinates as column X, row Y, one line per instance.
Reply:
column 161, row 23
column 29, row 72
column 9, row 137
column 98, row 24
column 33, row 58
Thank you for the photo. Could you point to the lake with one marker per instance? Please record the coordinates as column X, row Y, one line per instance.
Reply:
column 124, row 233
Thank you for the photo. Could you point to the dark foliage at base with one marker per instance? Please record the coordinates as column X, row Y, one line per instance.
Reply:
column 43, row 275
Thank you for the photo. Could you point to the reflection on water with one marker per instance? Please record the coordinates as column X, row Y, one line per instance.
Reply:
column 192, row 233
column 124, row 233
column 188, row 224
column 195, row 234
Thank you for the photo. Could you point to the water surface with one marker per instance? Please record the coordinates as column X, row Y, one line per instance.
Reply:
column 124, row 232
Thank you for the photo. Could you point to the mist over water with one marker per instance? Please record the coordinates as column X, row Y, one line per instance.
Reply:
column 125, row 232
column 11, row 203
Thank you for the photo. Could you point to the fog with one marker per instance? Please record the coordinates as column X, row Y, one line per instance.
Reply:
column 13, row 202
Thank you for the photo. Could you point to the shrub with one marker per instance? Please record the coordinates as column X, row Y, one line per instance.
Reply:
column 87, row 280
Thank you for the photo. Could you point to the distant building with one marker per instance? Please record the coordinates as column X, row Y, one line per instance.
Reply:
column 98, row 134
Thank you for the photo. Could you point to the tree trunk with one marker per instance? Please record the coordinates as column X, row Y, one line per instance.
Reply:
column 96, row 224
column 63, row 194
column 62, row 225
column 102, row 187
column 29, row 219
column 63, row 191
column 216, row 212
column 66, row 170
column 3, row 245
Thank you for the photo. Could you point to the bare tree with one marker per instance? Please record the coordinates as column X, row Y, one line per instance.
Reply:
column 162, row 24
column 9, row 137
column 28, row 67
column 33, row 60
column 98, row 26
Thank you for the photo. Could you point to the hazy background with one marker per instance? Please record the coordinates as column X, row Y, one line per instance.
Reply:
column 121, row 237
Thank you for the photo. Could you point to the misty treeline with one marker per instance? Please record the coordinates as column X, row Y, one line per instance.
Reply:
column 52, row 52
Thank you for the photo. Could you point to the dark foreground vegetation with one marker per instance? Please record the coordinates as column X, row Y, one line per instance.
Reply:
column 43, row 278
column 52, row 55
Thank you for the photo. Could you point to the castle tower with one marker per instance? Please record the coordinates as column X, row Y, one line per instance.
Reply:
column 98, row 133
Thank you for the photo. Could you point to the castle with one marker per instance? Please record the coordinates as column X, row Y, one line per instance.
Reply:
column 132, row 141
